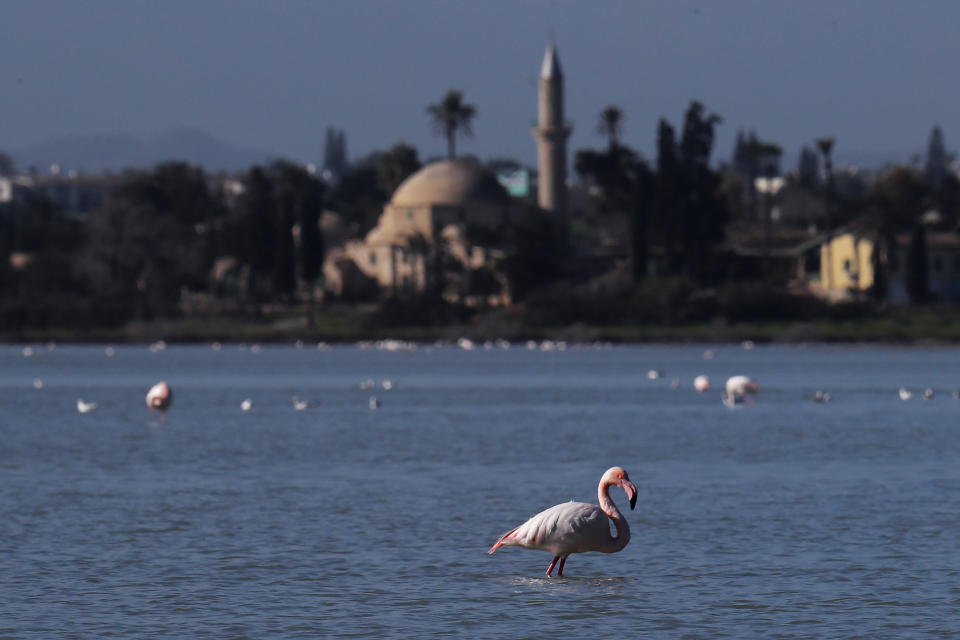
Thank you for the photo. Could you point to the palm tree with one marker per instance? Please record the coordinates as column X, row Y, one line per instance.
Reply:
column 610, row 124
column 451, row 115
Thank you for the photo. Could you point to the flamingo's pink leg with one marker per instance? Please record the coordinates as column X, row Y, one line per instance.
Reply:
column 563, row 561
column 552, row 565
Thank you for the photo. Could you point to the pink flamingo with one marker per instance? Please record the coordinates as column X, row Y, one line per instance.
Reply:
column 160, row 397
column 575, row 527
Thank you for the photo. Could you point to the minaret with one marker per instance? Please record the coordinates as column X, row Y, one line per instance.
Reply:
column 551, row 134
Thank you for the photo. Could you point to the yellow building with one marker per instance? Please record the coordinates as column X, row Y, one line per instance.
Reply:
column 846, row 265
column 847, row 261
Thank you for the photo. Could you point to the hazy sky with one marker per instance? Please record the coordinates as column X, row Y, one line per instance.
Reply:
column 876, row 74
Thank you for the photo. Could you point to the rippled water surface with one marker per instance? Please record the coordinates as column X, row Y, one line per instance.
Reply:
column 786, row 518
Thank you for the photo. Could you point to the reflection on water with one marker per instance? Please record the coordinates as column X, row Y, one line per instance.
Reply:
column 787, row 516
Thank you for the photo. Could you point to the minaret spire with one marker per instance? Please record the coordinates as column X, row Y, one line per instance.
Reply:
column 551, row 134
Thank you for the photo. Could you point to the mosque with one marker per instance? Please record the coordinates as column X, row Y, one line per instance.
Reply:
column 442, row 202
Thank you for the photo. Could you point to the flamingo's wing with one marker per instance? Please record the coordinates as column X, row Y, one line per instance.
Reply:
column 572, row 527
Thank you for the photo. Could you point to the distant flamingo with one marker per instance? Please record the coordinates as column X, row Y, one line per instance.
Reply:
column 160, row 397
column 739, row 389
column 575, row 527
column 701, row 383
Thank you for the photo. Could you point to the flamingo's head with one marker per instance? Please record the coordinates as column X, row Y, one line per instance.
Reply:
column 618, row 477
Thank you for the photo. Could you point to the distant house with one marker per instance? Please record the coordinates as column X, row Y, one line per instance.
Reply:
column 847, row 266
column 789, row 258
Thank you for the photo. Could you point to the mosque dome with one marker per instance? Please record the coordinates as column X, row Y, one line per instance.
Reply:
column 450, row 182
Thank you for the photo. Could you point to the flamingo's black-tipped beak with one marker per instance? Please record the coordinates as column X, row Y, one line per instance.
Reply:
column 631, row 492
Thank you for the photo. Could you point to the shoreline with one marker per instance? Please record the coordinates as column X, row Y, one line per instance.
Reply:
column 914, row 329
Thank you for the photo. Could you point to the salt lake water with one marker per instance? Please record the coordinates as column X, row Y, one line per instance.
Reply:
column 782, row 519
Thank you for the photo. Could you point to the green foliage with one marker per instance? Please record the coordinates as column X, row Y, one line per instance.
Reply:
column 690, row 212
column 279, row 201
column 917, row 265
column 7, row 166
column 451, row 116
column 394, row 166
column 610, row 125
column 678, row 301
column 417, row 311
column 148, row 240
column 538, row 254
column 938, row 159
column 359, row 198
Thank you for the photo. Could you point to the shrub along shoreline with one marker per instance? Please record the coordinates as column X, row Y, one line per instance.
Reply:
column 353, row 324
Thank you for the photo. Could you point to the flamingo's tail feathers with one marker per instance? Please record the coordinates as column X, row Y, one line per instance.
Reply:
column 504, row 540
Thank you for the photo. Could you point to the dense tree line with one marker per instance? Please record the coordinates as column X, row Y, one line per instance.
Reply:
column 676, row 209
column 166, row 233
column 157, row 237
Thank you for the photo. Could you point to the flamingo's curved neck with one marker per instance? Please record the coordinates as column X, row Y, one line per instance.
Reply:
column 610, row 508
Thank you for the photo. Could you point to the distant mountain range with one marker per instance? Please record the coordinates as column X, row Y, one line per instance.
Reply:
column 117, row 151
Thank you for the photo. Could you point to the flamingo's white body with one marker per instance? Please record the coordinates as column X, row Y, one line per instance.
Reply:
column 739, row 389
column 576, row 527
column 160, row 397
column 701, row 383
column 741, row 386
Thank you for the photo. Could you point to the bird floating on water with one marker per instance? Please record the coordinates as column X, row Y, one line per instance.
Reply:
column 654, row 374
column 302, row 405
column 905, row 394
column 373, row 403
column 86, row 407
column 928, row 394
column 820, row 396
column 37, row 383
column 160, row 397
column 576, row 527
column 701, row 383
column 246, row 405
